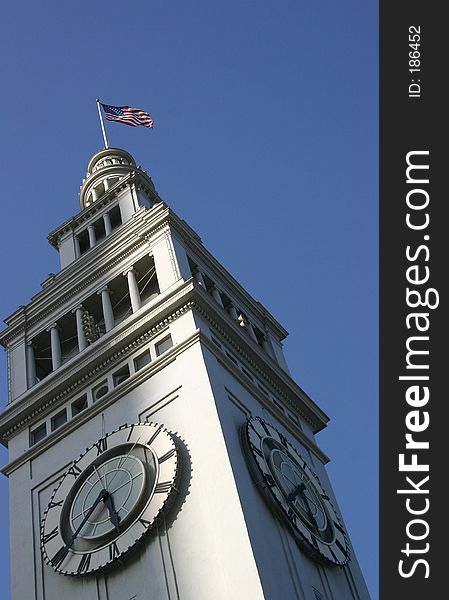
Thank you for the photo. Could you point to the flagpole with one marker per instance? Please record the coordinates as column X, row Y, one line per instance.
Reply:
column 102, row 125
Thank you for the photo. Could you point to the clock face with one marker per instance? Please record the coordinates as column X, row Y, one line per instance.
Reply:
column 109, row 499
column 294, row 491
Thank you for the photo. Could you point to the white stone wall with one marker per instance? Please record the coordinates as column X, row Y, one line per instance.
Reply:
column 203, row 551
column 285, row 571
column 17, row 367
column 220, row 537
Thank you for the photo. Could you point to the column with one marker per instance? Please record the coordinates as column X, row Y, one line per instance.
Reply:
column 31, row 365
column 107, row 223
column 108, row 313
column 250, row 330
column 198, row 276
column 77, row 247
column 216, row 296
column 233, row 312
column 106, row 184
column 267, row 346
column 56, row 356
column 133, row 289
column 82, row 342
column 92, row 236
column 94, row 195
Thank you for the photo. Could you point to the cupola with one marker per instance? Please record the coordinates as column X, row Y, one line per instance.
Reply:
column 105, row 169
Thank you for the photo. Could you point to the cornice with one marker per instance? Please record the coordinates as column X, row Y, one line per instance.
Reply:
column 88, row 212
column 222, row 276
column 264, row 401
column 137, row 330
column 136, row 176
column 72, row 280
column 101, row 404
column 113, row 250
column 114, row 347
column 262, row 364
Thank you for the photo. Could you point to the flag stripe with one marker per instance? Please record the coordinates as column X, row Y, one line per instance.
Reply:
column 127, row 115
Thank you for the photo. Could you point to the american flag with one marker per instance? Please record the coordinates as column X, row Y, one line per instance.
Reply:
column 127, row 115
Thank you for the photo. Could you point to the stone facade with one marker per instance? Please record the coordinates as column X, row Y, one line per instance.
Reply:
column 142, row 324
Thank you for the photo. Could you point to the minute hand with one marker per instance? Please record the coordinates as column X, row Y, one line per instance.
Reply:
column 300, row 490
column 62, row 552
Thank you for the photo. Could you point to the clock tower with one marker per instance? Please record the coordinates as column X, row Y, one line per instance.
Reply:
column 158, row 447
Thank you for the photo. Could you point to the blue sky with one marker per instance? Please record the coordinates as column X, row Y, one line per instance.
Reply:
column 265, row 142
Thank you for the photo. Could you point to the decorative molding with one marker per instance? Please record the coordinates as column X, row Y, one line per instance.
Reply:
column 219, row 320
column 96, row 368
column 130, row 238
column 239, row 350
column 74, row 222
column 188, row 295
column 100, row 405
column 254, row 390
column 226, row 282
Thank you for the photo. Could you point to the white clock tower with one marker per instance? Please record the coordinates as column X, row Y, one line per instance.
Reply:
column 158, row 447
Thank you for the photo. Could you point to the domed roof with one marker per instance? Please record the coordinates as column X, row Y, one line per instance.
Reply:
column 108, row 157
column 105, row 169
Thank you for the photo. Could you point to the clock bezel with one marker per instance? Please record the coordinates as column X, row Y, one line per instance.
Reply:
column 87, row 556
column 335, row 552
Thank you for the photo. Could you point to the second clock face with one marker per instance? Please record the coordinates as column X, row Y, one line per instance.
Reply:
column 294, row 491
column 109, row 498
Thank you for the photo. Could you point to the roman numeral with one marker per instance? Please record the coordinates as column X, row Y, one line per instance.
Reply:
column 130, row 433
column 283, row 440
column 333, row 554
column 342, row 548
column 251, row 426
column 145, row 523
column 84, row 564
column 59, row 557
column 292, row 516
column 113, row 551
column 265, row 428
column 162, row 487
column 49, row 536
column 256, row 450
column 339, row 527
column 167, row 455
column 74, row 470
column 53, row 504
column 154, row 436
column 101, row 445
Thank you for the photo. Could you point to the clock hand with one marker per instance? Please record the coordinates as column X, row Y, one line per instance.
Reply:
column 103, row 483
column 115, row 519
column 293, row 494
column 131, row 449
column 301, row 489
column 62, row 552
column 107, row 499
column 123, row 460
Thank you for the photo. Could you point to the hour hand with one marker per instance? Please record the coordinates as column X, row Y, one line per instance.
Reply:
column 62, row 552
column 301, row 490
column 115, row 519
column 293, row 494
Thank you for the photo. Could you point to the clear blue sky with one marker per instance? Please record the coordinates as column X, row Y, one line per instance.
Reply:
column 265, row 142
